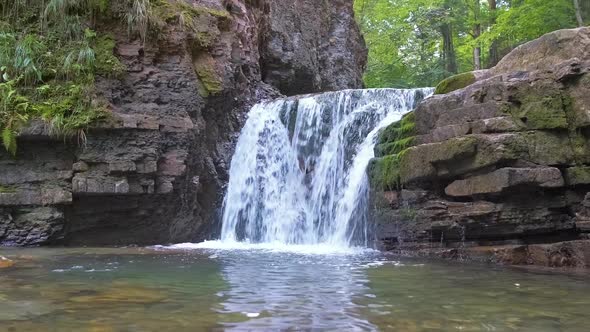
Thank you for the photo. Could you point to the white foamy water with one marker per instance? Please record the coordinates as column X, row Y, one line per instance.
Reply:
column 302, row 249
column 298, row 176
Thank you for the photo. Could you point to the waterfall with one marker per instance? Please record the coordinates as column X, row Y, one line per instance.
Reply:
column 298, row 175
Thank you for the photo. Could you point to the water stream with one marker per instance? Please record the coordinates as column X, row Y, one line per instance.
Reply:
column 298, row 176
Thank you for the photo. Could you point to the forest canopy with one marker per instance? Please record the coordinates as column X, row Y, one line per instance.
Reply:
column 420, row 42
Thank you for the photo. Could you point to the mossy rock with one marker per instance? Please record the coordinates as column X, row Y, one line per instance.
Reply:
column 384, row 173
column 545, row 111
column 210, row 81
column 394, row 147
column 579, row 175
column 455, row 82
column 399, row 130
column 6, row 189
column 417, row 163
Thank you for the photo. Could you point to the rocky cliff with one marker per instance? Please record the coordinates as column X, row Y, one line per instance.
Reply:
column 154, row 171
column 498, row 170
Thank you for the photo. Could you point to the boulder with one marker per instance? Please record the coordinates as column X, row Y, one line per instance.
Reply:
column 546, row 52
column 506, row 178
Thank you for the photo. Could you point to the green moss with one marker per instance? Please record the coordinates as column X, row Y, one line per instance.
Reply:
column 107, row 64
column 394, row 147
column 394, row 141
column 399, row 130
column 577, row 175
column 417, row 163
column 210, row 80
column 543, row 113
column 455, row 82
column 7, row 189
column 384, row 173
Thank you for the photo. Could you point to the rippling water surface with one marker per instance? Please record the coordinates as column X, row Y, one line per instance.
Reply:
column 177, row 289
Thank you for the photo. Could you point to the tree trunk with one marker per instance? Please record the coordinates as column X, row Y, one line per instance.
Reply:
column 578, row 13
column 493, row 52
column 448, row 48
column 476, row 34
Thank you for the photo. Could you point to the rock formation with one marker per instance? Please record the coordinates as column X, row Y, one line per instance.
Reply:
column 155, row 171
column 498, row 170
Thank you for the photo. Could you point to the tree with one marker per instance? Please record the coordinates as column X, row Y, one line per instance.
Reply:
column 578, row 13
column 493, row 51
column 420, row 42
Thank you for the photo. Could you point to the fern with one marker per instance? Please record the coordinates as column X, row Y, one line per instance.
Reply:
column 9, row 140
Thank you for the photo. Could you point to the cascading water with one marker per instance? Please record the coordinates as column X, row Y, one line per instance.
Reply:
column 298, row 175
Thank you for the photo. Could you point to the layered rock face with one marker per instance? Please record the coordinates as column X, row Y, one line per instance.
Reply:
column 155, row 171
column 498, row 170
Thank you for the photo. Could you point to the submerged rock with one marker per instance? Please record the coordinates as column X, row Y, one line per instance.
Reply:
column 5, row 262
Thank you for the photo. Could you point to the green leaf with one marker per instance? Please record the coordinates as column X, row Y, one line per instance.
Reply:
column 9, row 140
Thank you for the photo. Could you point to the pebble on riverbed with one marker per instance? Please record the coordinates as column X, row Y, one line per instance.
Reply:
column 5, row 262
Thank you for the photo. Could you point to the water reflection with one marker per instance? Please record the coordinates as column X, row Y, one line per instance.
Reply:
column 290, row 290
column 237, row 290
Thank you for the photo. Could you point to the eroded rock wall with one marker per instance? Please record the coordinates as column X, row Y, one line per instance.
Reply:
column 155, row 171
column 499, row 170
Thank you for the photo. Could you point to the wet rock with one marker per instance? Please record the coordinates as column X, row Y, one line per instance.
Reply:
column 26, row 226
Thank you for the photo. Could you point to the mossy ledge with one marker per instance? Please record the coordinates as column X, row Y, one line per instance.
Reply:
column 455, row 82
column 394, row 140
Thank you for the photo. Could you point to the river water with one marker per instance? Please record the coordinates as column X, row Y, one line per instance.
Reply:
column 257, row 288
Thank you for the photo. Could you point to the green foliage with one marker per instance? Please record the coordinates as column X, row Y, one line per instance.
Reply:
column 454, row 82
column 529, row 19
column 138, row 18
column 107, row 64
column 406, row 38
column 68, row 110
column 13, row 114
column 49, row 56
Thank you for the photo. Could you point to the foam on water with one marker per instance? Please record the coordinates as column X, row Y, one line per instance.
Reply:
column 301, row 249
